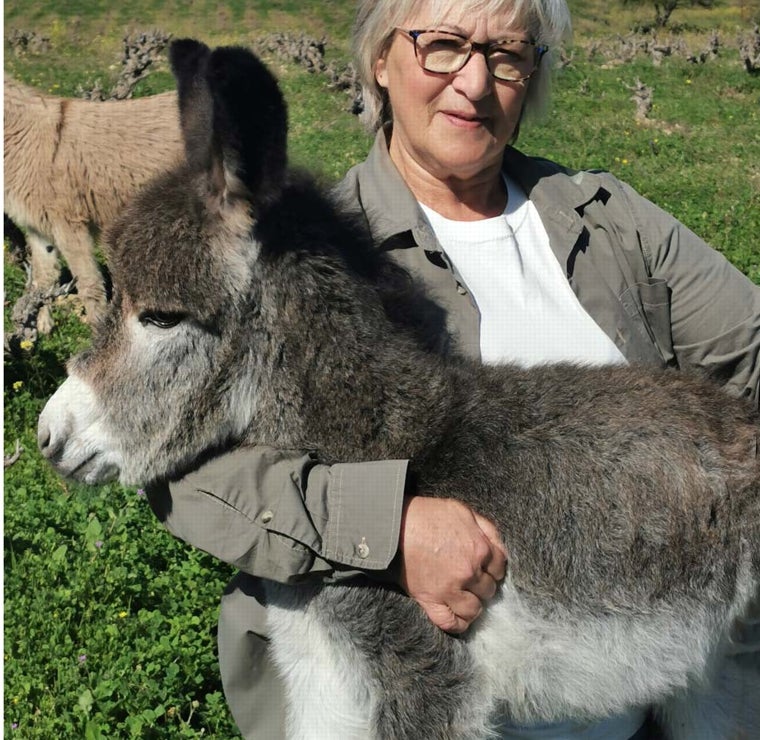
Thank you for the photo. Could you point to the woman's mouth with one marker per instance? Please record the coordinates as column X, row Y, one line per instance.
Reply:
column 464, row 120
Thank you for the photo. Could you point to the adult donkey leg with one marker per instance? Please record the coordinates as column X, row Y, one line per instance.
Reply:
column 78, row 249
column 45, row 263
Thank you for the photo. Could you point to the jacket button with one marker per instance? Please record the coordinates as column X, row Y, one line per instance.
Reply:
column 362, row 549
column 267, row 517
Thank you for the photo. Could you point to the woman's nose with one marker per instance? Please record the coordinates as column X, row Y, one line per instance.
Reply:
column 474, row 80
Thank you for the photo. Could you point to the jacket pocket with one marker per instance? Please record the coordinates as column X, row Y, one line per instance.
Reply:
column 655, row 299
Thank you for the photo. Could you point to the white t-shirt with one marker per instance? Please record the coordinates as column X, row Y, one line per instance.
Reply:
column 528, row 315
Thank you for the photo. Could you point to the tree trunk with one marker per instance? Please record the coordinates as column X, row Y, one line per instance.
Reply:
column 664, row 11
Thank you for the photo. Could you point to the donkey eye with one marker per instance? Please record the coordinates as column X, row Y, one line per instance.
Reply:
column 161, row 319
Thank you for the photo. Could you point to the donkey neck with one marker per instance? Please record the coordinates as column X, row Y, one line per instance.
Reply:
column 341, row 377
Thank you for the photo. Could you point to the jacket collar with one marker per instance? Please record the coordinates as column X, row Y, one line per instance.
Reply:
column 389, row 205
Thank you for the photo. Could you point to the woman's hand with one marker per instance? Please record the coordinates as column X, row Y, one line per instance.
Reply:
column 452, row 560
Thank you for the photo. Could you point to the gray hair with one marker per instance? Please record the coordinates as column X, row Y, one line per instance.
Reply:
column 547, row 21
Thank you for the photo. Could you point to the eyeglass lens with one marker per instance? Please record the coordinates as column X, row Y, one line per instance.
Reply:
column 438, row 51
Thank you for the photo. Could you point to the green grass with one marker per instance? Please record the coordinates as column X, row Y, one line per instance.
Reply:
column 110, row 622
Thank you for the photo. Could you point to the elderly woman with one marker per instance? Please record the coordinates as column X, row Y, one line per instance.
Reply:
column 529, row 262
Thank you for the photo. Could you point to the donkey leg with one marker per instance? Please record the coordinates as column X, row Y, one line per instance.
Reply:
column 726, row 709
column 745, row 637
column 45, row 265
column 329, row 694
column 78, row 249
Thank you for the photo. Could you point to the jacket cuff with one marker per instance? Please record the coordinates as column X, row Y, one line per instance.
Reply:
column 364, row 502
column 280, row 515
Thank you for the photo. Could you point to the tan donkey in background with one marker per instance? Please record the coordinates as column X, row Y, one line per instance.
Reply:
column 70, row 166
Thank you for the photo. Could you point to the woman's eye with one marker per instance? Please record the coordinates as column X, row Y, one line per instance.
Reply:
column 445, row 45
column 161, row 319
column 507, row 55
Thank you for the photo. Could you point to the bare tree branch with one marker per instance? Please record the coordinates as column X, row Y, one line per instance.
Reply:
column 141, row 51
column 8, row 460
column 25, row 311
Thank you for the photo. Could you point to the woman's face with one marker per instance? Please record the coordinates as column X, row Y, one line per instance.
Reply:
column 450, row 125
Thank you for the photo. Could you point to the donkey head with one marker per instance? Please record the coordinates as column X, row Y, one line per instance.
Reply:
column 170, row 374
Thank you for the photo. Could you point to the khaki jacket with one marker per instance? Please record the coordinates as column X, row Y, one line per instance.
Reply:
column 660, row 293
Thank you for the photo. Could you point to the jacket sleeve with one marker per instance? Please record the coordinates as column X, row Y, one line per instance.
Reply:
column 279, row 515
column 714, row 308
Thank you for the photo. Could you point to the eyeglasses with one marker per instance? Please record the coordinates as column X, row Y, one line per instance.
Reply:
column 444, row 52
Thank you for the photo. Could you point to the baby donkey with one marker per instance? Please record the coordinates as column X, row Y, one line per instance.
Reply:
column 249, row 309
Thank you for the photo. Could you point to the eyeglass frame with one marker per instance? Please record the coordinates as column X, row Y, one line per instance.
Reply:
column 475, row 46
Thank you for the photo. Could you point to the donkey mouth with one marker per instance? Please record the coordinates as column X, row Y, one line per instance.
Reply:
column 93, row 470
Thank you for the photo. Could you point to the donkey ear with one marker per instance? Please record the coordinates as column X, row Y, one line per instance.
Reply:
column 250, row 121
column 234, row 119
column 189, row 59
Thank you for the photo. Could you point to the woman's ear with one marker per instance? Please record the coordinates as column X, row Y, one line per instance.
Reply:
column 381, row 72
